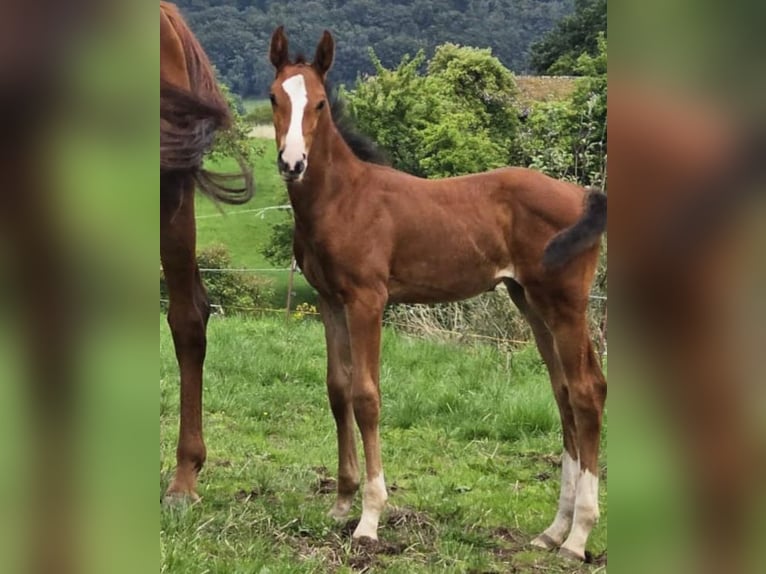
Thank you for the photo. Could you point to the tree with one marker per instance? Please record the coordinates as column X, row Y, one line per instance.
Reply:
column 455, row 118
column 235, row 33
column 568, row 139
column 234, row 142
column 558, row 51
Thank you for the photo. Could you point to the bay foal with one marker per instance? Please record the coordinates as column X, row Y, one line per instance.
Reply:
column 192, row 110
column 366, row 235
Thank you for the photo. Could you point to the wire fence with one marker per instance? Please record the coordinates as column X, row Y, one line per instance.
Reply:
column 598, row 302
column 290, row 312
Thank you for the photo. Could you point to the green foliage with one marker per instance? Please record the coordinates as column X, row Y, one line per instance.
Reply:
column 568, row 139
column 559, row 50
column 279, row 249
column 234, row 142
column 453, row 118
column 236, row 33
column 393, row 106
column 234, row 292
column 261, row 113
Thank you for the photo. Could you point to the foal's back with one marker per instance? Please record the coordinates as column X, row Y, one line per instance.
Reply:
column 454, row 238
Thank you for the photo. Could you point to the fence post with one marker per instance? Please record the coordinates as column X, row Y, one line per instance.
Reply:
column 293, row 265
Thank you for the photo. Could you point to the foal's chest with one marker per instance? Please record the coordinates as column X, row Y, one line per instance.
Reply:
column 317, row 266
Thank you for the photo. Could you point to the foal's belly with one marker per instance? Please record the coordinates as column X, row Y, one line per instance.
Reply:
column 446, row 287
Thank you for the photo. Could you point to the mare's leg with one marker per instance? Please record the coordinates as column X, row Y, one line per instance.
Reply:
column 364, row 315
column 187, row 316
column 339, row 393
column 587, row 394
column 555, row 534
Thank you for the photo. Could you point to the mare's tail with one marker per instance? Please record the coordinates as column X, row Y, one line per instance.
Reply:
column 189, row 121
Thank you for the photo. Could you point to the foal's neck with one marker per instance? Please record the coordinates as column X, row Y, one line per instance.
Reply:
column 332, row 166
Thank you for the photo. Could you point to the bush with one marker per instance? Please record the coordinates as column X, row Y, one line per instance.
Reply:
column 234, row 292
column 455, row 118
column 491, row 318
column 260, row 114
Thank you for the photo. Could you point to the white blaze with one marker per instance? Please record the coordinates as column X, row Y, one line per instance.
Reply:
column 294, row 145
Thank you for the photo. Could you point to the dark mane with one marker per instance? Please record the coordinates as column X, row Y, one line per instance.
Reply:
column 362, row 145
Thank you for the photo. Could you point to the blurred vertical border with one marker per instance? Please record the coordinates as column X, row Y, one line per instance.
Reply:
column 79, row 239
column 687, row 172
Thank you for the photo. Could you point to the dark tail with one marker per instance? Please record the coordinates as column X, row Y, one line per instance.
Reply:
column 188, row 126
column 189, row 121
column 584, row 234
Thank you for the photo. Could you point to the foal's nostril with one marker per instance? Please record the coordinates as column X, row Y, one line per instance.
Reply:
column 281, row 164
column 299, row 167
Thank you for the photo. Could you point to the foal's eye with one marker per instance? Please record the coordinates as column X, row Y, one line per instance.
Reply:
column 321, row 104
column 273, row 99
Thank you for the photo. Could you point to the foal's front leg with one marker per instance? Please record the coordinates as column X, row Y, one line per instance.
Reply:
column 339, row 393
column 364, row 316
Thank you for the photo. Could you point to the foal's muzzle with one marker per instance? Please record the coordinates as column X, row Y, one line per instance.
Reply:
column 291, row 171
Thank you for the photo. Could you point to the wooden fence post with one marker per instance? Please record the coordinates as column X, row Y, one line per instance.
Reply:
column 293, row 265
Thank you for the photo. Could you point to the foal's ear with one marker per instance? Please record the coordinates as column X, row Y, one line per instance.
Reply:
column 278, row 53
column 324, row 54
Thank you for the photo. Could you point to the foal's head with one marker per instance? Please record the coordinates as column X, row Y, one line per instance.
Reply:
column 298, row 101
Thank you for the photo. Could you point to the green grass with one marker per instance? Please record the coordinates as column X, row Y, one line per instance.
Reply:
column 470, row 439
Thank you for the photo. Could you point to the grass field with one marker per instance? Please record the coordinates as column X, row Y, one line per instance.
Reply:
column 470, row 441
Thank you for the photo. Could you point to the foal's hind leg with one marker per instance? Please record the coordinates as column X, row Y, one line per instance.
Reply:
column 339, row 393
column 554, row 535
column 587, row 394
column 187, row 315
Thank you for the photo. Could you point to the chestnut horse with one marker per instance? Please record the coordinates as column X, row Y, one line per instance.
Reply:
column 192, row 109
column 367, row 234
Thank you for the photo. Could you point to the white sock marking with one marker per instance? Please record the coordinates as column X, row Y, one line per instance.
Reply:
column 586, row 513
column 570, row 469
column 375, row 497
column 295, row 146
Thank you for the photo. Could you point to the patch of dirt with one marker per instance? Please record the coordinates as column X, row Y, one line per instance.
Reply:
column 222, row 463
column 365, row 552
column 325, row 483
column 543, row 476
column 402, row 530
column 325, row 486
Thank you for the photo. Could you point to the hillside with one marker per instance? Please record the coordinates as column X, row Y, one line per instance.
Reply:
column 235, row 33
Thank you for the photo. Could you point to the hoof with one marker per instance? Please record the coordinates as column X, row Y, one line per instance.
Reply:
column 571, row 554
column 339, row 510
column 177, row 498
column 362, row 533
column 365, row 540
column 545, row 542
